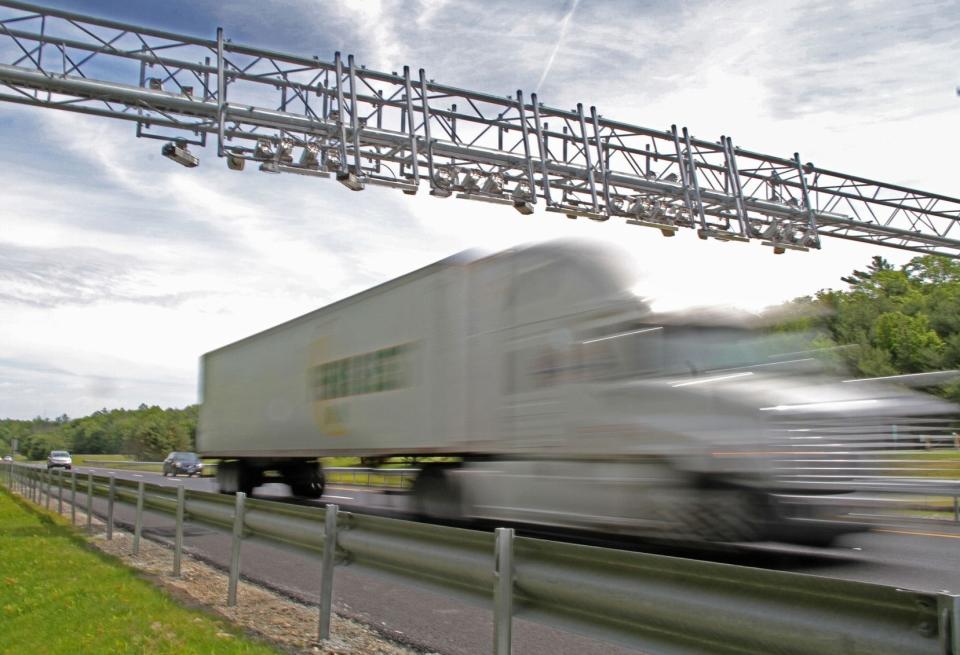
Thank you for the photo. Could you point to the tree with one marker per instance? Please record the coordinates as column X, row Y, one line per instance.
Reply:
column 146, row 433
column 913, row 347
column 894, row 320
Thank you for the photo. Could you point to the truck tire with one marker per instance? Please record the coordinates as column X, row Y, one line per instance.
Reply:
column 237, row 476
column 718, row 515
column 437, row 495
column 228, row 477
column 306, row 480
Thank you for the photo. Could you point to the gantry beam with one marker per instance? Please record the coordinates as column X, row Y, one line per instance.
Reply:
column 294, row 114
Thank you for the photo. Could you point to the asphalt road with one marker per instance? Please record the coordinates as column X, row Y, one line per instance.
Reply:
column 922, row 558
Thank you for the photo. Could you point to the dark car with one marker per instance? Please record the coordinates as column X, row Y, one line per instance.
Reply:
column 186, row 463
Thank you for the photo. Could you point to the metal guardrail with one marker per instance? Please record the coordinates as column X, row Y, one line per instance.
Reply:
column 891, row 491
column 399, row 478
column 371, row 477
column 657, row 604
column 129, row 463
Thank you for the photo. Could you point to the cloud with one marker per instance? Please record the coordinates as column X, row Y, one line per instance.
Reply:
column 31, row 387
column 48, row 277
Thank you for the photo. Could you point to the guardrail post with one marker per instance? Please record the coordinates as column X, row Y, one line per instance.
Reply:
column 49, row 482
column 110, row 498
column 73, row 497
column 178, row 535
column 138, row 522
column 89, row 502
column 503, row 592
column 235, row 550
column 60, row 491
column 948, row 621
column 326, row 571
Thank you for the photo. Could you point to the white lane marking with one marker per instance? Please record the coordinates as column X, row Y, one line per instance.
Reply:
column 339, row 497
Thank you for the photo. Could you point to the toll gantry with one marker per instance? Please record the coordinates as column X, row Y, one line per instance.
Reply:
column 286, row 113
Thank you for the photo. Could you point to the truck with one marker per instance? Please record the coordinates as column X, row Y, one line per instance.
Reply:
column 536, row 387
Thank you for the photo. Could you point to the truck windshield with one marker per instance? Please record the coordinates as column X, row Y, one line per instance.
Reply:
column 650, row 350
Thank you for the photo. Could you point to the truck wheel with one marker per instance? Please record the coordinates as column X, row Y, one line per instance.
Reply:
column 312, row 488
column 436, row 495
column 723, row 515
column 306, row 480
column 228, row 477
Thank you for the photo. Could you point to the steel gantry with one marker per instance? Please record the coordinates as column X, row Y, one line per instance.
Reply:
column 295, row 114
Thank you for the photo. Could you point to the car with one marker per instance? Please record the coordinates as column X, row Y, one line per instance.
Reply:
column 179, row 462
column 59, row 459
column 8, row 458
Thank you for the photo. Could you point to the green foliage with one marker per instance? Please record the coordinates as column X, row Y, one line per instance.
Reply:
column 891, row 320
column 912, row 345
column 58, row 596
column 145, row 433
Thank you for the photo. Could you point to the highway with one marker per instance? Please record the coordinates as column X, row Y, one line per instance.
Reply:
column 910, row 556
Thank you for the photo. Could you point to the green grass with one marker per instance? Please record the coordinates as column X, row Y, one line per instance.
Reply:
column 943, row 463
column 82, row 460
column 59, row 595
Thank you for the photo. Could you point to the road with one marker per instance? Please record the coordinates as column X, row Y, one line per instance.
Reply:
column 922, row 558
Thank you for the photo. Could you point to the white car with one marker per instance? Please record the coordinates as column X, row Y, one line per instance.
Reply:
column 8, row 458
column 59, row 459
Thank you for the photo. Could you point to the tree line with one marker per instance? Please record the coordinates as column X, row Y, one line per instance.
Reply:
column 145, row 433
column 890, row 320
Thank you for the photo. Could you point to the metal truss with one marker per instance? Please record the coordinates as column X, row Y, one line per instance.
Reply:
column 295, row 114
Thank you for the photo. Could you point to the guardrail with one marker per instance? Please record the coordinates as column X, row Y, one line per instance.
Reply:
column 658, row 604
column 130, row 463
column 891, row 492
column 399, row 478
column 371, row 477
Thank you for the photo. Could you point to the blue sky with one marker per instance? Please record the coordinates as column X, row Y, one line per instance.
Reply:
column 118, row 269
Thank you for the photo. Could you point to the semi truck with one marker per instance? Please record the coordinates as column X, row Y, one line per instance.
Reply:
column 537, row 387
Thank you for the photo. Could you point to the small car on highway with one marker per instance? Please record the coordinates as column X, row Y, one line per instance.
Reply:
column 59, row 459
column 186, row 463
column 8, row 458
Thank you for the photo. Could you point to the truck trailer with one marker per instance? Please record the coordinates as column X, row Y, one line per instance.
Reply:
column 542, row 390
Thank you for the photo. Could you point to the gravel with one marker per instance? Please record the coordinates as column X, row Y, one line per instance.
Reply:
column 289, row 625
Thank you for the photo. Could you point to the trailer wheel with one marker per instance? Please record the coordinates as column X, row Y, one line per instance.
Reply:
column 228, row 477
column 237, row 476
column 436, row 495
column 306, row 480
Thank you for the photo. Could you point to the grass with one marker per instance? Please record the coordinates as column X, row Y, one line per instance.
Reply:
column 59, row 595
column 943, row 463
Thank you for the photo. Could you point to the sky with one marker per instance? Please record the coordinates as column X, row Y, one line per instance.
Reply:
column 119, row 269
